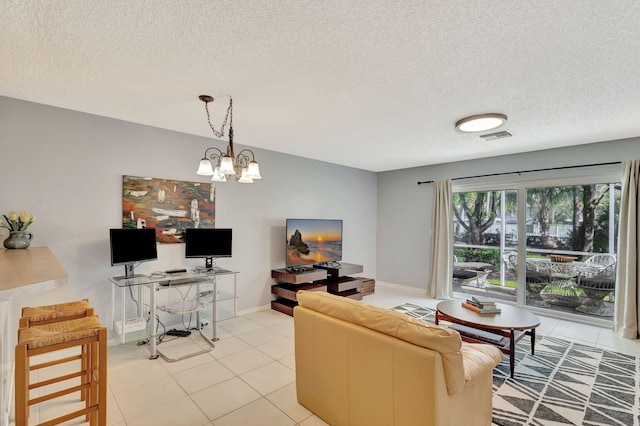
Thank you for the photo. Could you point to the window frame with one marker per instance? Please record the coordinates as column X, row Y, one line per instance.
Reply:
column 520, row 183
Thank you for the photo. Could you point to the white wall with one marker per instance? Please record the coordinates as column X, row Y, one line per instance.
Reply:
column 66, row 167
column 405, row 208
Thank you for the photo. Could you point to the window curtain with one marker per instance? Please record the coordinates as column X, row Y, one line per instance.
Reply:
column 440, row 282
column 627, row 306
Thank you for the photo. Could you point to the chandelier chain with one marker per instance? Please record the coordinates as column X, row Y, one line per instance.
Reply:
column 228, row 116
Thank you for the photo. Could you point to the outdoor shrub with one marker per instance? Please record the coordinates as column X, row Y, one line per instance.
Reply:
column 490, row 256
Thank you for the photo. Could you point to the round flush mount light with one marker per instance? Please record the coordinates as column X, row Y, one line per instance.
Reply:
column 481, row 123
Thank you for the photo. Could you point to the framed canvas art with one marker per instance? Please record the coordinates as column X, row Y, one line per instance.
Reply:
column 170, row 206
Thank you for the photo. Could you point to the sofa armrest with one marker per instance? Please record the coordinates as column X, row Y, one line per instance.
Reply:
column 477, row 358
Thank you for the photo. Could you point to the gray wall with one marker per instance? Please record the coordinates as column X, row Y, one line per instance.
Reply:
column 66, row 167
column 405, row 208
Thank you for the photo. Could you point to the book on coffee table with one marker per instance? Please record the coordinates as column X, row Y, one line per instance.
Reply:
column 481, row 301
column 481, row 309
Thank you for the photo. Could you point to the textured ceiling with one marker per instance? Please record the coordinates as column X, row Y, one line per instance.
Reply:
column 376, row 85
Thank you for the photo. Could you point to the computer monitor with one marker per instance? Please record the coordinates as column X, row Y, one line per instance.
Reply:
column 208, row 243
column 132, row 246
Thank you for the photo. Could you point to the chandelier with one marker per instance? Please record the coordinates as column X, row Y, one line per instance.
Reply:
column 227, row 164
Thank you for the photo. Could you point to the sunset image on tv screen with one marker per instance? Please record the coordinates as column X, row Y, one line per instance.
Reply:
column 312, row 241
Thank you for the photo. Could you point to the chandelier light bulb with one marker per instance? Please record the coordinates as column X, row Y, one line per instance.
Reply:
column 226, row 165
column 244, row 178
column 253, row 170
column 205, row 169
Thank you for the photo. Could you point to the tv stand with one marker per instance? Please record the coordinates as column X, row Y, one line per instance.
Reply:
column 340, row 283
column 294, row 270
column 331, row 264
column 332, row 277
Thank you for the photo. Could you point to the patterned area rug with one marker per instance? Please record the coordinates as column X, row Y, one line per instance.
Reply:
column 564, row 383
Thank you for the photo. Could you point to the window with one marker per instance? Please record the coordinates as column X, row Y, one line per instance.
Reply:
column 486, row 232
column 564, row 262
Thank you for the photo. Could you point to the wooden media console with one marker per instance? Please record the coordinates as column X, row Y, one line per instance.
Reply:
column 333, row 279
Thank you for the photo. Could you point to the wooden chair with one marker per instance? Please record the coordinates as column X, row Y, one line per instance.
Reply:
column 48, row 314
column 86, row 333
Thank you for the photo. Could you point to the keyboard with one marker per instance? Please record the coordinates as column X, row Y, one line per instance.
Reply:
column 183, row 281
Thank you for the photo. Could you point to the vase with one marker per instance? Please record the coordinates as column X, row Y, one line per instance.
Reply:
column 18, row 240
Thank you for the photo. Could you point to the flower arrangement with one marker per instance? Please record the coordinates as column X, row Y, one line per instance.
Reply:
column 17, row 222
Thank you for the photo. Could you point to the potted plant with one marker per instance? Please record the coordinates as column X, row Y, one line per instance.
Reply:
column 17, row 225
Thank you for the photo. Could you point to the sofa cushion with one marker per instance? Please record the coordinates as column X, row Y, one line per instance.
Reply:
column 445, row 341
column 478, row 358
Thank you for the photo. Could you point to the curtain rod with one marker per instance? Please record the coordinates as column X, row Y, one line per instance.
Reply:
column 529, row 171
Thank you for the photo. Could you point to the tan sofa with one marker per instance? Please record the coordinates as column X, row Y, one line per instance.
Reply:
column 358, row 364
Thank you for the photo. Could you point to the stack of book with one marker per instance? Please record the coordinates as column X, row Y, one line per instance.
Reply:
column 481, row 306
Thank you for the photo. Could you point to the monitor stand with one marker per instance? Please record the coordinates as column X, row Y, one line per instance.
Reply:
column 128, row 277
column 208, row 264
column 128, row 273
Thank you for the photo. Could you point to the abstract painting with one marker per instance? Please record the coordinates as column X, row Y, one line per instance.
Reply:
column 170, row 206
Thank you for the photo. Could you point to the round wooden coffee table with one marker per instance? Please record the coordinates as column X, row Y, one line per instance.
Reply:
column 502, row 330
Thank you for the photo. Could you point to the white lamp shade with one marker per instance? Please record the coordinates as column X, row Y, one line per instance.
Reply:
column 217, row 176
column 244, row 178
column 253, row 171
column 226, row 165
column 205, row 168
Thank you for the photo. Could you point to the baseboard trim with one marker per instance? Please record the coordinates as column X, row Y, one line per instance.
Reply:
column 252, row 310
column 402, row 287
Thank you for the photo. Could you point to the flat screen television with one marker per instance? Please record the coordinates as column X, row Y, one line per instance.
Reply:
column 208, row 243
column 313, row 241
column 132, row 246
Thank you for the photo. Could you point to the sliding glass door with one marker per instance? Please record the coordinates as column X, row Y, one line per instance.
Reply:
column 549, row 247
column 571, row 237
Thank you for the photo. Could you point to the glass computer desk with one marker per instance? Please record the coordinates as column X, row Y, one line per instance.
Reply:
column 209, row 291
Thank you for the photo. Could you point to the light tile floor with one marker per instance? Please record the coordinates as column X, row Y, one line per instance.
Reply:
column 249, row 378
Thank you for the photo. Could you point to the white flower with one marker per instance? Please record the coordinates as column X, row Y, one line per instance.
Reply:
column 17, row 222
column 26, row 217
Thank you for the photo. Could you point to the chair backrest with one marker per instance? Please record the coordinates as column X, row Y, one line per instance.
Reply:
column 536, row 266
column 184, row 299
column 511, row 261
column 601, row 261
column 601, row 274
column 532, row 265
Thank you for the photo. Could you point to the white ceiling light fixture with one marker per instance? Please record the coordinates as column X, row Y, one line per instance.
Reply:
column 227, row 164
column 481, row 122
